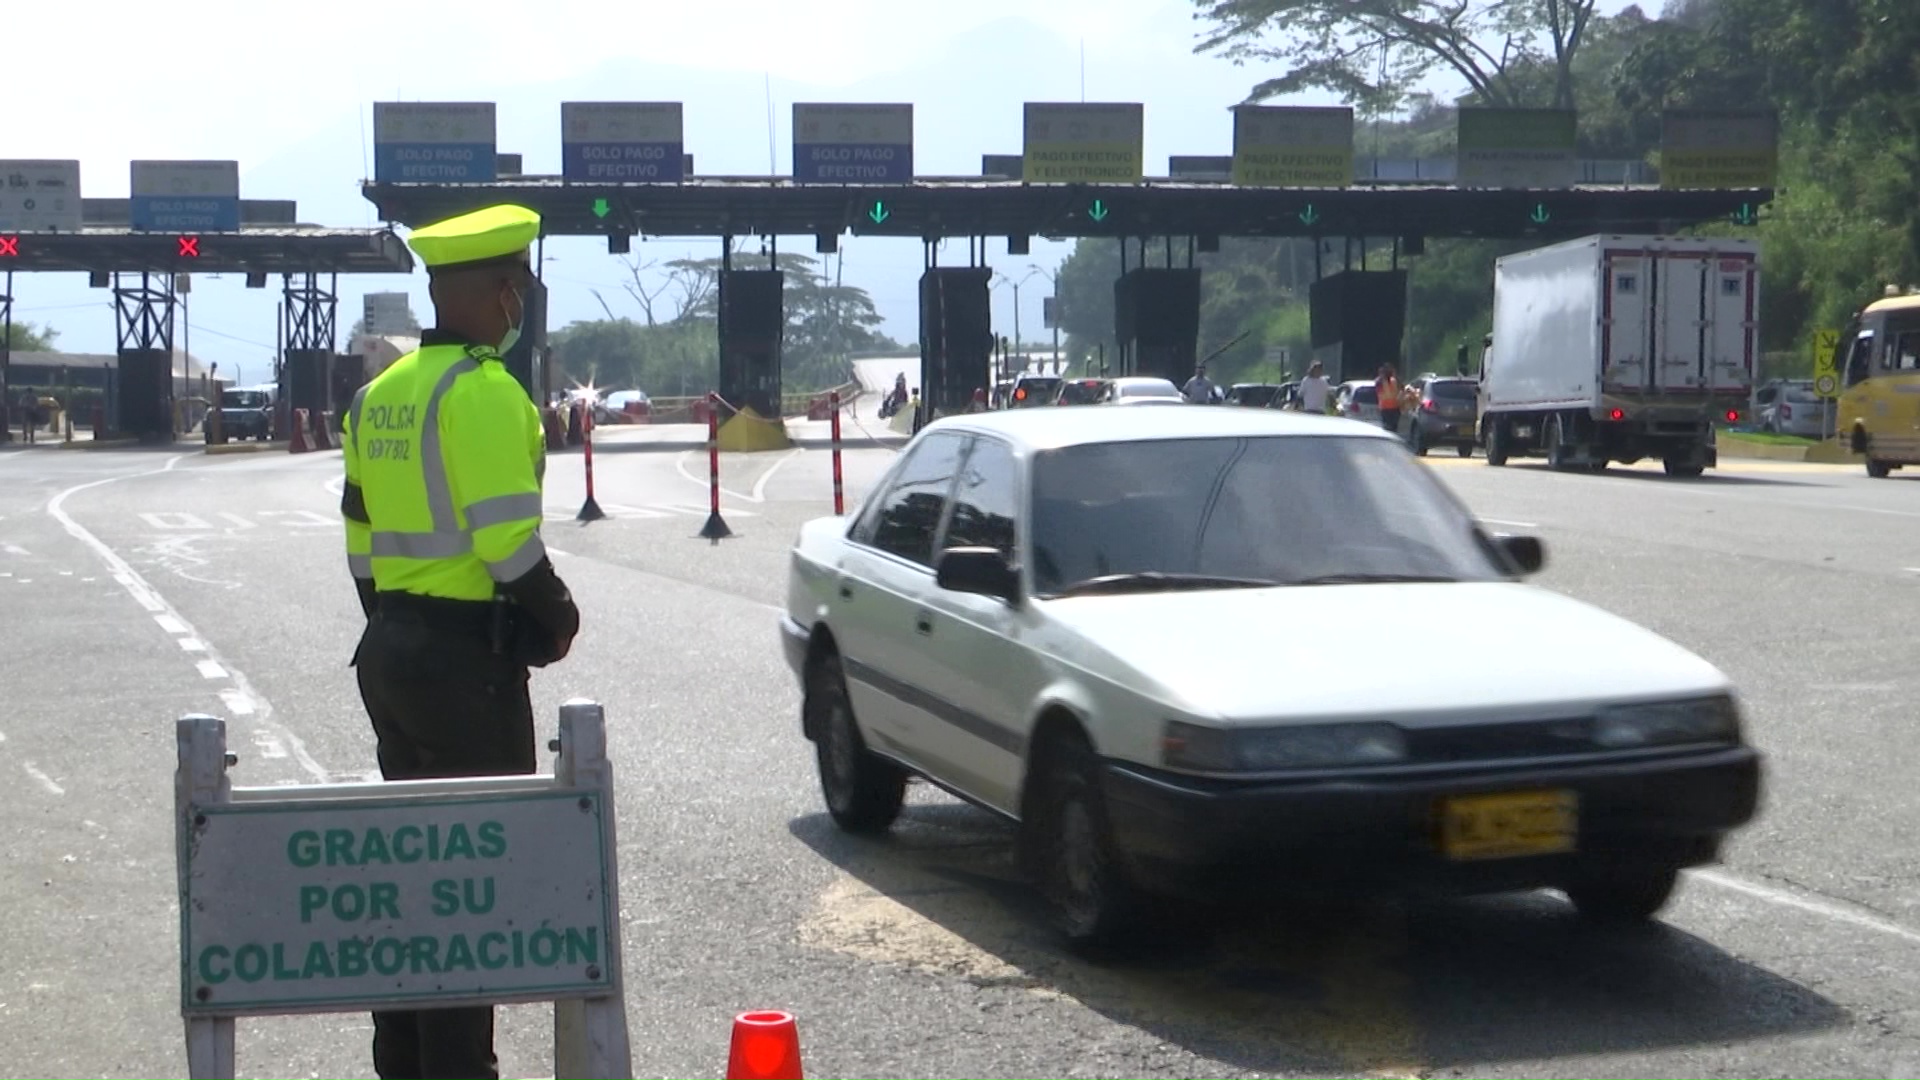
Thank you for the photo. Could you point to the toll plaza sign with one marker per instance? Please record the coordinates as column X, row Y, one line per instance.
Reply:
column 434, row 142
column 852, row 144
column 1718, row 148
column 1082, row 143
column 622, row 142
column 1278, row 146
column 308, row 905
column 1518, row 148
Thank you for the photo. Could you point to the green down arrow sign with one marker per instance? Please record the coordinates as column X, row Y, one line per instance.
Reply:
column 1540, row 214
column 1098, row 211
column 879, row 213
column 601, row 208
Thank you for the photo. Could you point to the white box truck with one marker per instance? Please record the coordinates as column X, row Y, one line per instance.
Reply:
column 1619, row 348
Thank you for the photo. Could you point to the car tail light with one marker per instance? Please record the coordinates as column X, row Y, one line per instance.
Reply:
column 1020, row 394
column 1733, row 416
column 1426, row 405
column 1617, row 414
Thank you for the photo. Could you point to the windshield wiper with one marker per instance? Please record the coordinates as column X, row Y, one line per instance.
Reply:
column 1151, row 580
column 1369, row 579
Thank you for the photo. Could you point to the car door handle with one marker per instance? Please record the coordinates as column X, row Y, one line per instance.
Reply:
column 846, row 591
column 923, row 623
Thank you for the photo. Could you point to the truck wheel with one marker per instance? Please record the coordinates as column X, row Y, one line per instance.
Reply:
column 1683, row 468
column 1556, row 445
column 1496, row 442
column 1465, row 449
column 1879, row 470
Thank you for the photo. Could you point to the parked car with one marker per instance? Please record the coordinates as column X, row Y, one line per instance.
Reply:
column 1141, row 390
column 1357, row 399
column 1789, row 407
column 1253, row 395
column 1080, row 391
column 1441, row 410
column 1031, row 390
column 247, row 412
column 1048, row 615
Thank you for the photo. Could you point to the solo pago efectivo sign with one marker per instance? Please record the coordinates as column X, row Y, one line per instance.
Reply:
column 318, row 907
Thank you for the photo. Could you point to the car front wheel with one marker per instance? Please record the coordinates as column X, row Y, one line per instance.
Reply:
column 1074, row 858
column 1624, row 894
column 863, row 791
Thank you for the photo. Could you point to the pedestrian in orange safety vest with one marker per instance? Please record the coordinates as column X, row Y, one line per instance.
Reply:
column 1387, row 388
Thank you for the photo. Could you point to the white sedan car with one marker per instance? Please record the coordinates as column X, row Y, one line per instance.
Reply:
column 1141, row 390
column 1075, row 618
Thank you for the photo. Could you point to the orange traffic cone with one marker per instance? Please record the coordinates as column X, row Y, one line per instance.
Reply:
column 766, row 1046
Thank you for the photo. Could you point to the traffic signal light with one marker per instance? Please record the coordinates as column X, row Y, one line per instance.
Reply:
column 189, row 246
column 9, row 247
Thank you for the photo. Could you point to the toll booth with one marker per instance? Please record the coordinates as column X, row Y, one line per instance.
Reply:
column 1156, row 320
column 527, row 359
column 753, row 322
column 1358, row 321
column 956, row 337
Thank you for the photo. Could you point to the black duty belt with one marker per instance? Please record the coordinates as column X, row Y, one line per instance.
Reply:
column 460, row 616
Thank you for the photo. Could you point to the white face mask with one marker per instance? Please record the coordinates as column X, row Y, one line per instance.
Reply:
column 513, row 331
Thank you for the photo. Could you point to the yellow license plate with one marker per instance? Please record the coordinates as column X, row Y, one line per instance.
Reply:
column 1508, row 825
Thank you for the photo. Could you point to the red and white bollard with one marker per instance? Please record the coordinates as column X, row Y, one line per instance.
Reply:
column 839, row 490
column 589, row 510
column 716, row 527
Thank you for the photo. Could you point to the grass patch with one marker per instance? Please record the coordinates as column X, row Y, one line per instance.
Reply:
column 1765, row 439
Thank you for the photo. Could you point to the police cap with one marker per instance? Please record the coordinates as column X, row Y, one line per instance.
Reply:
column 496, row 235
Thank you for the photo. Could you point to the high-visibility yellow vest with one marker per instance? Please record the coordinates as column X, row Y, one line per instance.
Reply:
column 447, row 453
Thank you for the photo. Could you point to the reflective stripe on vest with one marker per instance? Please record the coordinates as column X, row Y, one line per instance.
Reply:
column 447, row 539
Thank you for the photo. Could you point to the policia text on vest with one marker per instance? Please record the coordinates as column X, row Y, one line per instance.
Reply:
column 444, row 457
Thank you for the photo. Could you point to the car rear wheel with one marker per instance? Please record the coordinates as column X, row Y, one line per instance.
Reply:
column 1624, row 894
column 1072, row 853
column 1879, row 470
column 1496, row 437
column 863, row 791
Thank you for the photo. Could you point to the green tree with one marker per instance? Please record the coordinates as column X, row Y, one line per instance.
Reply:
column 27, row 337
column 1373, row 53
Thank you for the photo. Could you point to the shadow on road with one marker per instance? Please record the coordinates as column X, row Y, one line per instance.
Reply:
column 1710, row 478
column 1386, row 986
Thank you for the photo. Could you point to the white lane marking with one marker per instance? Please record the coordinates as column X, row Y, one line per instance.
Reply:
column 337, row 485
column 303, row 519
column 211, row 669
column 236, row 702
column 170, row 624
column 680, row 466
column 1828, row 909
column 188, row 644
column 760, row 485
column 14, row 549
column 1911, row 569
column 129, row 579
column 1508, row 524
column 268, row 745
column 556, row 551
column 174, row 519
column 45, row 780
column 238, row 521
column 3, row 736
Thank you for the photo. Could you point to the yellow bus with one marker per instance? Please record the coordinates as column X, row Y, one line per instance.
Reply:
column 1879, row 363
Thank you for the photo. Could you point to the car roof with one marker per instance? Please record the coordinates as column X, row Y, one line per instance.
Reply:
column 1049, row 429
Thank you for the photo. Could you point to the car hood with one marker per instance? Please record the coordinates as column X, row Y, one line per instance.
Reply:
column 1492, row 651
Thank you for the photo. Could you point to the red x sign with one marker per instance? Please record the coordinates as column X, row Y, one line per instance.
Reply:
column 9, row 247
column 189, row 247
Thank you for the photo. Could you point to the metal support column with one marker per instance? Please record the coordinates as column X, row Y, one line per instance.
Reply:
column 143, row 328
column 6, row 357
column 310, row 316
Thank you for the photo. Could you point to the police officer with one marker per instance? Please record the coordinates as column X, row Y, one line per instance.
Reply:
column 444, row 456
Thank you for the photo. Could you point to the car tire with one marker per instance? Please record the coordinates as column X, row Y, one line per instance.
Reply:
column 1496, row 439
column 1623, row 895
column 1091, row 902
column 1683, row 469
column 863, row 791
column 1879, row 470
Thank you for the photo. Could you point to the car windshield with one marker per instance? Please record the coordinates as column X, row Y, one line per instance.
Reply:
column 1079, row 391
column 1453, row 390
column 243, row 399
column 1149, row 388
column 1222, row 512
column 1365, row 395
column 1802, row 395
column 1257, row 396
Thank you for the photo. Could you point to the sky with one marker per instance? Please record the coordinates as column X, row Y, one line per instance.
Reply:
column 213, row 80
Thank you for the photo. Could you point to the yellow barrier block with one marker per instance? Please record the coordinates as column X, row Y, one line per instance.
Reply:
column 749, row 432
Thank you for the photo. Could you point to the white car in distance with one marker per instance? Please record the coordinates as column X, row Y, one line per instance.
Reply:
column 1141, row 390
column 1033, row 608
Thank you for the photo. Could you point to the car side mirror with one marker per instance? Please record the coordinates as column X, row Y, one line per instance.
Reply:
column 1527, row 553
column 981, row 570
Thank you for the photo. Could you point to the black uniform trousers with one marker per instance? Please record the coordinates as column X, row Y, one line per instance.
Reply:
column 443, row 704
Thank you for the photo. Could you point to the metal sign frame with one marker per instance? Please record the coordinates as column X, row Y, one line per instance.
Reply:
column 590, row 1025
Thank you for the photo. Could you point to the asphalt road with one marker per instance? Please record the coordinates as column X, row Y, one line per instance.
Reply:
column 140, row 586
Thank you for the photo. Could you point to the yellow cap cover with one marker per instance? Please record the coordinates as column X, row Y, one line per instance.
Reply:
column 497, row 233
